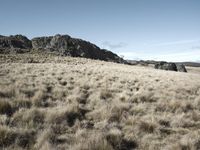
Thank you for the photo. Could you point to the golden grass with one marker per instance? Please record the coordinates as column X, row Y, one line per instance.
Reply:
column 56, row 102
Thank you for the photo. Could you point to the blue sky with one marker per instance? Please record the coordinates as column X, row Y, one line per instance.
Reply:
column 138, row 29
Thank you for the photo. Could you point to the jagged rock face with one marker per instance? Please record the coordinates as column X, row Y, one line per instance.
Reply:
column 61, row 44
column 17, row 41
column 52, row 42
column 181, row 68
column 68, row 46
column 170, row 66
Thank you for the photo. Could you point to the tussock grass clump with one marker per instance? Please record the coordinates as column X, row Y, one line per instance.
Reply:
column 106, row 94
column 148, row 127
column 66, row 115
column 189, row 141
column 175, row 106
column 40, row 98
column 116, row 138
column 25, row 139
column 92, row 141
column 7, row 93
column 21, row 138
column 22, row 103
column 5, row 107
column 31, row 118
column 43, row 139
column 7, row 136
column 118, row 112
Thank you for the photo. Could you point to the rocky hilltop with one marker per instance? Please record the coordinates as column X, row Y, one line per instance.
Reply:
column 63, row 45
column 16, row 41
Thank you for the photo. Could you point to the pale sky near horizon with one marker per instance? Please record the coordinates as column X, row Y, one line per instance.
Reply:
column 138, row 29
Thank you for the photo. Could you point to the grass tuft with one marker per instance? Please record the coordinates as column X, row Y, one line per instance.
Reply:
column 5, row 108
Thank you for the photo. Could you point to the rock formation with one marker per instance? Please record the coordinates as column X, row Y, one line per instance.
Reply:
column 170, row 66
column 17, row 41
column 63, row 45
column 68, row 46
column 181, row 68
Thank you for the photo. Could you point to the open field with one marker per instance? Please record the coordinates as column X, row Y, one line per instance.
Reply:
column 49, row 102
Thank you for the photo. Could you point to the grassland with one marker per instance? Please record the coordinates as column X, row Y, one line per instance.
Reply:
column 49, row 102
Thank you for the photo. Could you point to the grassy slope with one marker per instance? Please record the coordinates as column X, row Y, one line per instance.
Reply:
column 76, row 103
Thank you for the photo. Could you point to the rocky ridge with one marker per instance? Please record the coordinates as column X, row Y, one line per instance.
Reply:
column 63, row 45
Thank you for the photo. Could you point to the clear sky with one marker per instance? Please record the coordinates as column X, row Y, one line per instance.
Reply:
column 138, row 29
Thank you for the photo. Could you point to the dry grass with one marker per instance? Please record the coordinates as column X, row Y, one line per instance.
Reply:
column 53, row 102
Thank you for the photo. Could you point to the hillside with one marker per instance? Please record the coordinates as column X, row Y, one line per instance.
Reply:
column 52, row 102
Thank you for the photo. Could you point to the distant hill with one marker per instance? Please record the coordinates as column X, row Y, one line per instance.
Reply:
column 63, row 45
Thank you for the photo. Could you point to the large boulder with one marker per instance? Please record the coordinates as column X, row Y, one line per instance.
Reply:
column 170, row 66
column 181, row 68
column 67, row 46
column 17, row 41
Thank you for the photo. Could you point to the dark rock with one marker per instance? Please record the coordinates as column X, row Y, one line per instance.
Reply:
column 170, row 66
column 17, row 41
column 67, row 46
column 166, row 66
column 181, row 68
column 62, row 45
column 159, row 65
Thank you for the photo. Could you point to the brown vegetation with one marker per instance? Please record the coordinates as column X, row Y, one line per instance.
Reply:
column 75, row 103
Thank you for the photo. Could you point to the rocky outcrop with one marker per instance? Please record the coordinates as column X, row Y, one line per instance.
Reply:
column 170, row 66
column 166, row 66
column 63, row 45
column 17, row 41
column 181, row 68
column 68, row 46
